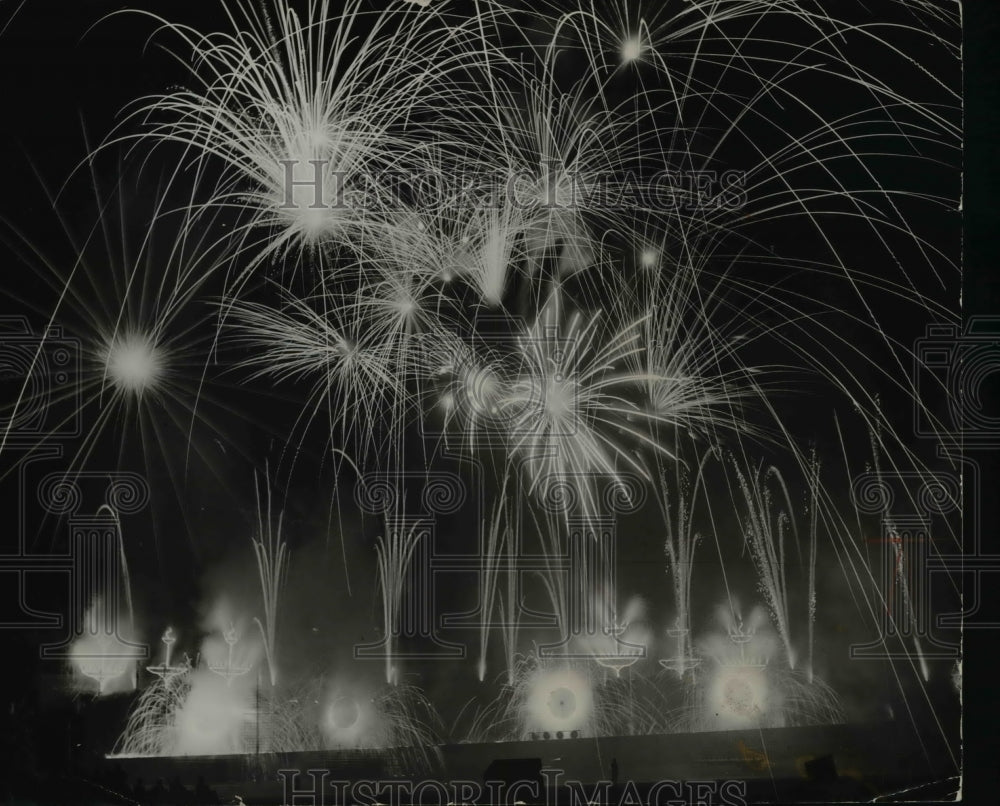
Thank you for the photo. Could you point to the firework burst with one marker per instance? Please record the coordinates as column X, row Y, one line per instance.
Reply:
column 129, row 289
column 297, row 117
column 578, row 416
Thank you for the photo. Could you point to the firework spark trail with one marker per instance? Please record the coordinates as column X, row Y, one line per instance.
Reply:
column 898, row 575
column 365, row 345
column 559, row 158
column 884, row 599
column 704, row 36
column 500, row 547
column 394, row 551
column 570, row 425
column 581, row 400
column 691, row 392
column 870, row 602
column 510, row 609
column 693, row 372
column 634, row 705
column 886, row 441
column 764, row 531
column 271, row 554
column 355, row 376
column 814, row 487
column 456, row 238
column 285, row 721
column 724, row 37
column 469, row 381
column 412, row 727
column 499, row 539
column 679, row 546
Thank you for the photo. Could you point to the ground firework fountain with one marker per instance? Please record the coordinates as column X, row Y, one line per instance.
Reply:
column 102, row 659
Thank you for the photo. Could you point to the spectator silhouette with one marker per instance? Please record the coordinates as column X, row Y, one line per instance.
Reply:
column 204, row 796
column 614, row 772
column 158, row 794
column 179, row 796
column 118, row 780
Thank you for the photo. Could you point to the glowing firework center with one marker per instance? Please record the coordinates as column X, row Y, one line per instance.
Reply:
column 559, row 703
column 349, row 719
column 134, row 363
column 738, row 697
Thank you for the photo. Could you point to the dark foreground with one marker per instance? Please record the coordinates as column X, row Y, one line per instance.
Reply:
column 845, row 763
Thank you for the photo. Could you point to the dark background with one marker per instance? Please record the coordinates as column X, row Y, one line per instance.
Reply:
column 982, row 257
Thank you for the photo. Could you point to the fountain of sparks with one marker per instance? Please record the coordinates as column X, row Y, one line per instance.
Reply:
column 215, row 717
column 151, row 729
column 765, row 530
column 747, row 685
column 271, row 554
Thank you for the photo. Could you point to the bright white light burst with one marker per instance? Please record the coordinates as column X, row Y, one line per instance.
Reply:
column 632, row 50
column 134, row 363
